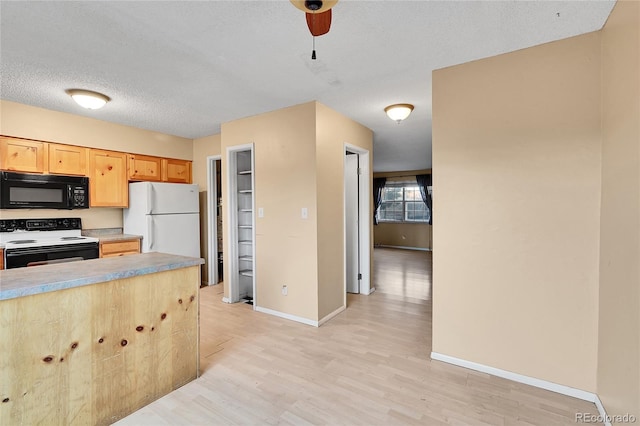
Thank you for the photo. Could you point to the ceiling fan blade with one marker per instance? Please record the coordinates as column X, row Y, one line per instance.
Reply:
column 319, row 23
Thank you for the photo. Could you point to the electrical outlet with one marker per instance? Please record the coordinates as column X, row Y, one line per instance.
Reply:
column 284, row 290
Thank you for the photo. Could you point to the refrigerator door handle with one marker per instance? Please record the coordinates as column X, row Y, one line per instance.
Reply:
column 150, row 231
column 150, row 199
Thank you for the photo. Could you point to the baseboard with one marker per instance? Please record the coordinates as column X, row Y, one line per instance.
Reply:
column 404, row 247
column 532, row 381
column 287, row 316
column 226, row 300
column 331, row 315
column 602, row 412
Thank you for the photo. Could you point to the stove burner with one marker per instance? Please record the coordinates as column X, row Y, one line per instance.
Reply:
column 22, row 241
column 72, row 238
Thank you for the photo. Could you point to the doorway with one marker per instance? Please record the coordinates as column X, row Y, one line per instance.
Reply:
column 240, row 283
column 214, row 220
column 357, row 221
column 351, row 211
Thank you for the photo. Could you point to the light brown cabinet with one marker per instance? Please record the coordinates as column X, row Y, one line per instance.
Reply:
column 144, row 167
column 22, row 155
column 108, row 184
column 177, row 171
column 68, row 159
column 1, row 258
column 119, row 248
column 109, row 171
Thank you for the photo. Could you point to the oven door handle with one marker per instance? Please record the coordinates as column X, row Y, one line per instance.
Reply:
column 12, row 252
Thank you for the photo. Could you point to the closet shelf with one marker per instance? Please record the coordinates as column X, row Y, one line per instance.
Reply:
column 245, row 191
column 246, row 272
column 246, row 242
column 245, row 226
column 246, row 210
column 246, row 257
column 245, row 172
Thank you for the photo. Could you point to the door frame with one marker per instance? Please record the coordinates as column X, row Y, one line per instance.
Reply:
column 212, row 217
column 364, row 219
column 231, row 221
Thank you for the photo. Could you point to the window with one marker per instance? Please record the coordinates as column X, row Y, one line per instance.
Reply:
column 402, row 202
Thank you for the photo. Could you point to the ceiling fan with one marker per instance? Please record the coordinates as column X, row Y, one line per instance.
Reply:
column 318, row 14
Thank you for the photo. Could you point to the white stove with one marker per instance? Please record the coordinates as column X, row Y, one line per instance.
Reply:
column 32, row 242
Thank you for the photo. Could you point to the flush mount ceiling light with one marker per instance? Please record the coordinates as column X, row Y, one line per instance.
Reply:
column 88, row 99
column 398, row 112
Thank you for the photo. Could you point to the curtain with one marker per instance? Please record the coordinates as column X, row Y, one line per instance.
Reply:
column 378, row 185
column 424, row 181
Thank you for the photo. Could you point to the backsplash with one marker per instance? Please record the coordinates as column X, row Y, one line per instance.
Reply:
column 91, row 218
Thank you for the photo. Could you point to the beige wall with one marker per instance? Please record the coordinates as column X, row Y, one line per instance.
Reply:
column 299, row 162
column 619, row 331
column 285, row 181
column 516, row 160
column 52, row 126
column 413, row 235
column 203, row 148
column 333, row 130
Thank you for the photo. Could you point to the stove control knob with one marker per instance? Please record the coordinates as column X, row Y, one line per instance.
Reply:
column 65, row 223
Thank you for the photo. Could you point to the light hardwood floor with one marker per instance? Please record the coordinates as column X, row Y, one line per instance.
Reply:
column 367, row 366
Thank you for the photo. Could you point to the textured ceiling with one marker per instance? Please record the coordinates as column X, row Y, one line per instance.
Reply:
column 185, row 67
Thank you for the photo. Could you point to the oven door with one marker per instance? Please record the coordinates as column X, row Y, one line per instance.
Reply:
column 35, row 256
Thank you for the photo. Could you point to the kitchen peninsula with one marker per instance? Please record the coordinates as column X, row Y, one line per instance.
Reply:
column 89, row 342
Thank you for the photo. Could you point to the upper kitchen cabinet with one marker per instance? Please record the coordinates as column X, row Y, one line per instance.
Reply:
column 22, row 155
column 144, row 167
column 68, row 159
column 178, row 171
column 108, row 184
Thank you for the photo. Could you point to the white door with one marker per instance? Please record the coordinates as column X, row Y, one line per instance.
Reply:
column 174, row 234
column 168, row 198
column 351, row 222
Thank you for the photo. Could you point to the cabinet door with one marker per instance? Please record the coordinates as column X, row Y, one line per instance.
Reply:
column 178, row 171
column 144, row 167
column 68, row 159
column 108, row 185
column 23, row 155
column 1, row 259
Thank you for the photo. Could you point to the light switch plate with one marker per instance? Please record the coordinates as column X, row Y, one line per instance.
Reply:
column 260, row 211
column 304, row 213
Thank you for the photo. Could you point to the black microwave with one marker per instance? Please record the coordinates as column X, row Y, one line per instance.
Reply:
column 29, row 191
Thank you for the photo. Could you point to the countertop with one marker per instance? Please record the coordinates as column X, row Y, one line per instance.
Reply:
column 109, row 234
column 21, row 282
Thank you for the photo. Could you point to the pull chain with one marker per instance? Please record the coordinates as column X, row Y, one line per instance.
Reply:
column 313, row 52
column 313, row 20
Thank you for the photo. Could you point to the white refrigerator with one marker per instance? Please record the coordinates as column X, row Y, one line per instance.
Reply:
column 166, row 215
